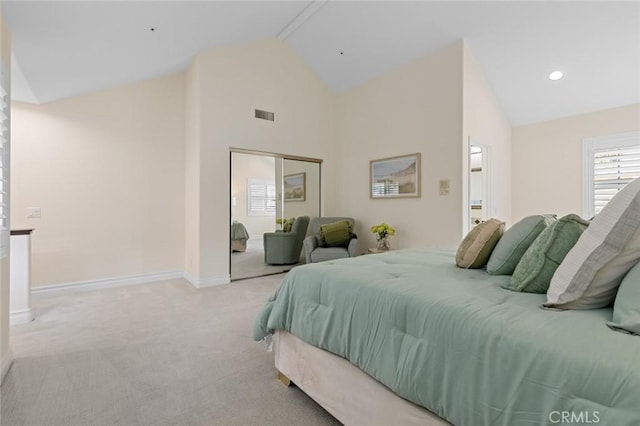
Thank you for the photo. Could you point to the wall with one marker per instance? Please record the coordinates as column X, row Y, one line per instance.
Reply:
column 484, row 123
column 234, row 81
column 547, row 159
column 416, row 108
column 245, row 167
column 6, row 356
column 192, row 172
column 108, row 171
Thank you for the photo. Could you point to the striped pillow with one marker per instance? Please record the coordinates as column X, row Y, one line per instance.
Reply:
column 590, row 274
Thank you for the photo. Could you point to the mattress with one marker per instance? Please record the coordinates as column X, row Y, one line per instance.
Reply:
column 454, row 342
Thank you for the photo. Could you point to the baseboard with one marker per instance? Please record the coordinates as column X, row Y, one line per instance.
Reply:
column 207, row 282
column 108, row 282
column 24, row 316
column 7, row 360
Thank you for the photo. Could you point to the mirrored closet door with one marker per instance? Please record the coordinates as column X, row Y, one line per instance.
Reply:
column 478, row 184
column 273, row 198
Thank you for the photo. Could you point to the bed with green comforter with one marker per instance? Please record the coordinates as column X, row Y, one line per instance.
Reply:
column 454, row 342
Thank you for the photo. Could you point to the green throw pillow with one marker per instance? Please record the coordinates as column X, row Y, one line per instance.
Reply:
column 337, row 233
column 626, row 310
column 538, row 264
column 288, row 224
column 476, row 247
column 515, row 242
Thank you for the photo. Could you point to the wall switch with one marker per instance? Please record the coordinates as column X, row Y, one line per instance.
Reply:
column 445, row 186
column 34, row 212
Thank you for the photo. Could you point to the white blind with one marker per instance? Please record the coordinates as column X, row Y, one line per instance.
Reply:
column 612, row 170
column 4, row 167
column 261, row 198
column 610, row 163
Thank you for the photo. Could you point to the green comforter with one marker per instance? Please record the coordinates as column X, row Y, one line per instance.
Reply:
column 453, row 341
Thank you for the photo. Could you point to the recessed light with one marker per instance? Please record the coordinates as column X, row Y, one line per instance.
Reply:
column 556, row 75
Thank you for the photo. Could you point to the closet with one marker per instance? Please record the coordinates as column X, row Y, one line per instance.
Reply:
column 266, row 191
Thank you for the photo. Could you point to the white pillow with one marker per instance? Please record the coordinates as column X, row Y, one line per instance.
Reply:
column 589, row 276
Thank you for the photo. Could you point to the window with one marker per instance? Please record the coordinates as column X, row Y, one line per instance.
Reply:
column 261, row 198
column 610, row 163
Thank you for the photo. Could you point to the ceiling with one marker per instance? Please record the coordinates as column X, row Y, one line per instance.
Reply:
column 63, row 49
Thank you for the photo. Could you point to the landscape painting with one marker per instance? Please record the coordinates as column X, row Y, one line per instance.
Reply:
column 395, row 177
column 294, row 187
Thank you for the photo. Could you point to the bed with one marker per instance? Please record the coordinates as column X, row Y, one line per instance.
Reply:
column 448, row 345
column 239, row 237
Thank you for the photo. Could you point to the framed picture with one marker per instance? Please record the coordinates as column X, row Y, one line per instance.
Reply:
column 295, row 187
column 395, row 177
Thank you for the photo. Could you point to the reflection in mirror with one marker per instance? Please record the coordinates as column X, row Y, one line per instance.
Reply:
column 266, row 192
column 478, row 191
column 301, row 188
column 253, row 211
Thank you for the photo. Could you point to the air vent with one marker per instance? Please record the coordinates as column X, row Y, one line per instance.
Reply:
column 264, row 115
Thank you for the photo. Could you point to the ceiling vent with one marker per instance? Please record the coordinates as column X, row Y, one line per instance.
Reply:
column 264, row 115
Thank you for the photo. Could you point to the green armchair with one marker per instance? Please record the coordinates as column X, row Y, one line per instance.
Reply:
column 284, row 248
column 315, row 253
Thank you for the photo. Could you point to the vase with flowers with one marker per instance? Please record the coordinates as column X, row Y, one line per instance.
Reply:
column 383, row 232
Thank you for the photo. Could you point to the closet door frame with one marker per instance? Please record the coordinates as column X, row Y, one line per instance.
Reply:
column 277, row 156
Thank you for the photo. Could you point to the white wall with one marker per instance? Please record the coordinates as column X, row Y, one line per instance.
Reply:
column 484, row 123
column 547, row 159
column 108, row 171
column 135, row 180
column 234, row 81
column 416, row 108
column 192, row 172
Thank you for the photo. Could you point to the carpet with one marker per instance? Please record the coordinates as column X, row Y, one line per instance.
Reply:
column 156, row 354
column 250, row 264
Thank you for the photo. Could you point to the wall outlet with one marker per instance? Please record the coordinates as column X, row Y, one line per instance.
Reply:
column 34, row 212
column 445, row 185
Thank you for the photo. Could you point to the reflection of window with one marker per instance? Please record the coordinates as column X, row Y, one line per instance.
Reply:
column 610, row 163
column 262, row 198
column 386, row 187
column 4, row 170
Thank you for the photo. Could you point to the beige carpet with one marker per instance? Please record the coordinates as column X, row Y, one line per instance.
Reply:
column 250, row 264
column 154, row 354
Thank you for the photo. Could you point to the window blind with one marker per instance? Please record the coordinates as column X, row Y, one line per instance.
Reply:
column 613, row 168
column 4, row 170
column 262, row 198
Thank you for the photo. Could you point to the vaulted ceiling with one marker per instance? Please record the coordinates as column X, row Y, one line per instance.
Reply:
column 63, row 49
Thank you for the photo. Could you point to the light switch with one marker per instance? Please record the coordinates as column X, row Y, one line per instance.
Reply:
column 34, row 212
column 444, row 186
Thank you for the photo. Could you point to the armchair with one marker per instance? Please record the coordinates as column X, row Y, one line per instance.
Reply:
column 284, row 248
column 314, row 253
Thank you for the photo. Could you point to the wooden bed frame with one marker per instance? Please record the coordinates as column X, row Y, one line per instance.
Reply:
column 345, row 391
